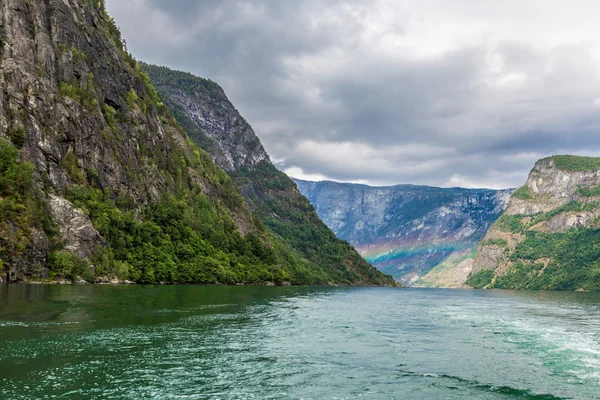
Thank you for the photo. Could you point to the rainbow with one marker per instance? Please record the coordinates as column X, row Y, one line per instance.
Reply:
column 389, row 258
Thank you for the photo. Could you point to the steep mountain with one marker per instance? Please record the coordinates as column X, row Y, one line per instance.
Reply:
column 407, row 230
column 203, row 109
column 97, row 178
column 549, row 235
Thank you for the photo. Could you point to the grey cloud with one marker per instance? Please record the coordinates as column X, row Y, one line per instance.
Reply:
column 308, row 75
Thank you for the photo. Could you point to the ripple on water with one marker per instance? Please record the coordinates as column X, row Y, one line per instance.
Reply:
column 311, row 344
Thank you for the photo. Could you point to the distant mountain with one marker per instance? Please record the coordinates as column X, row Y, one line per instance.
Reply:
column 409, row 230
column 549, row 236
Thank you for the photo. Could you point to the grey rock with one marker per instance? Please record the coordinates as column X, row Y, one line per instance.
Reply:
column 203, row 109
column 31, row 264
column 77, row 231
column 406, row 230
column 218, row 126
column 48, row 47
column 549, row 188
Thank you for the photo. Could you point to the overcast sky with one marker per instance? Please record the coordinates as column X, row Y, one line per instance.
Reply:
column 440, row 92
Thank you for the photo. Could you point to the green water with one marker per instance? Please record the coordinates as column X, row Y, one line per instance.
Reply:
column 195, row 342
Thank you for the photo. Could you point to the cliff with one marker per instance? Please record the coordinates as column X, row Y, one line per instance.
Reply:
column 203, row 109
column 548, row 236
column 408, row 230
column 97, row 178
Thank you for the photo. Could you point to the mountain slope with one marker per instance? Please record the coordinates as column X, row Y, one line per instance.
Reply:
column 97, row 178
column 549, row 236
column 203, row 109
column 407, row 230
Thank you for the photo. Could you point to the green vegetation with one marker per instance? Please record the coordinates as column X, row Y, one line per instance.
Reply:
column 167, row 213
column 571, row 206
column 290, row 216
column 573, row 256
column 21, row 208
column 77, row 54
column 576, row 163
column 574, row 262
column 523, row 193
column 494, row 242
column 114, row 33
column 81, row 92
column 17, row 135
column 481, row 279
column 515, row 223
column 177, row 240
column 131, row 97
column 70, row 90
column 110, row 116
column 71, row 167
column 287, row 216
column 63, row 264
column 191, row 84
column 589, row 191
column 444, row 273
column 510, row 223
column 568, row 260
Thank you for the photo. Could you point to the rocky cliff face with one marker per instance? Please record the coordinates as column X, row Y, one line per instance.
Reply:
column 61, row 74
column 210, row 119
column 535, row 243
column 98, row 178
column 407, row 230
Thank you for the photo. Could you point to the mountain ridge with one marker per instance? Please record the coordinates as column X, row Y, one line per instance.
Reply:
column 202, row 107
column 406, row 230
column 98, row 180
column 547, row 237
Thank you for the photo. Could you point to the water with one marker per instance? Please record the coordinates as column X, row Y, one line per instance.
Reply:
column 195, row 342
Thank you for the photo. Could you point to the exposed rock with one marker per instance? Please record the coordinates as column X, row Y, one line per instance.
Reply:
column 77, row 231
column 492, row 256
column 202, row 108
column 551, row 188
column 76, row 106
column 558, row 198
column 566, row 221
column 235, row 145
column 87, row 120
column 406, row 230
column 31, row 264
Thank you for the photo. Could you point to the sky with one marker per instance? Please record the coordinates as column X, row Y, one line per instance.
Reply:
column 438, row 92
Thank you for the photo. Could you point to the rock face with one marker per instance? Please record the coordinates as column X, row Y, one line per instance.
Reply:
column 212, row 120
column 550, row 187
column 77, row 231
column 546, row 238
column 31, row 264
column 406, row 230
column 94, row 168
column 202, row 108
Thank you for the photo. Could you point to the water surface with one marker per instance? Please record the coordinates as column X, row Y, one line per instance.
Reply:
column 197, row 342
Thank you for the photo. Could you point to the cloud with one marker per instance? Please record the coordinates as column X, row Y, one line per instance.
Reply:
column 390, row 92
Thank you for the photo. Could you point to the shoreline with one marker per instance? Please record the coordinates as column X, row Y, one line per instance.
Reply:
column 83, row 282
